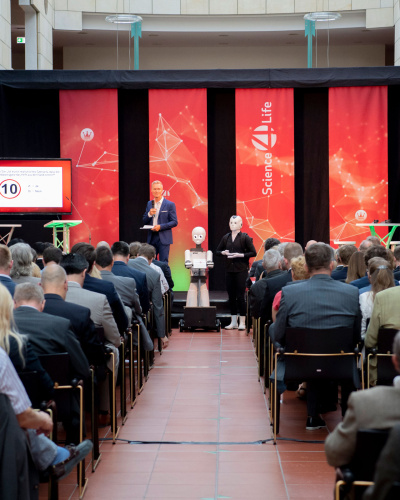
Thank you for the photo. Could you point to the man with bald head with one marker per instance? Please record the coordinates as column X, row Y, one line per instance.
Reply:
column 55, row 287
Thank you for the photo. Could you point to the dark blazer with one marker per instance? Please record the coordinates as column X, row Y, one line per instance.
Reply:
column 82, row 326
column 259, row 294
column 319, row 302
column 167, row 219
column 108, row 289
column 51, row 335
column 275, row 285
column 122, row 269
column 361, row 282
column 31, row 363
column 340, row 273
column 8, row 283
column 167, row 272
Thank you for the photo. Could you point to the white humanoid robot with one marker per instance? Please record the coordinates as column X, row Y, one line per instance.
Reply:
column 198, row 261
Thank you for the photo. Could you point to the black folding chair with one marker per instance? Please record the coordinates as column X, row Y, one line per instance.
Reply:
column 383, row 355
column 316, row 354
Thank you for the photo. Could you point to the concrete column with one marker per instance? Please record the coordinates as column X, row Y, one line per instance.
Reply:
column 5, row 34
column 396, row 12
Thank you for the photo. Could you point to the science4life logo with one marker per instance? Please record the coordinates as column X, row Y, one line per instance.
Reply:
column 264, row 139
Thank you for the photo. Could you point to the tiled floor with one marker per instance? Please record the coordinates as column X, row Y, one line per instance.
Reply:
column 203, row 392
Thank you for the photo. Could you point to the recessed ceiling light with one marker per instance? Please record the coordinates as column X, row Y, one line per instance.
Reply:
column 322, row 16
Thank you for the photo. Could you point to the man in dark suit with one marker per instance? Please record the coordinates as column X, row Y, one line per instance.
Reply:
column 120, row 251
column 5, row 268
column 161, row 214
column 257, row 267
column 142, row 263
column 344, row 253
column 318, row 303
column 55, row 286
column 272, row 262
column 99, row 286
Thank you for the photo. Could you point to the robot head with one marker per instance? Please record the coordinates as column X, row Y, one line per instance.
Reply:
column 235, row 223
column 198, row 235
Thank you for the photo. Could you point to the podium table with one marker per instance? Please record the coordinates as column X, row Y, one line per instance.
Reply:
column 7, row 237
column 61, row 227
column 388, row 237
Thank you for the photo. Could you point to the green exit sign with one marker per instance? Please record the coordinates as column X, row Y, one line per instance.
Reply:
column 20, row 39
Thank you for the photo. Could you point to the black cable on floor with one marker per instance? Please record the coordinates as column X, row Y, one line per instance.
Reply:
column 214, row 443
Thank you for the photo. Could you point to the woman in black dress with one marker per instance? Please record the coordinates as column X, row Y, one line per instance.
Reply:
column 237, row 248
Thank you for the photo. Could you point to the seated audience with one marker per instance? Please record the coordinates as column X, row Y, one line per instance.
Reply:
column 357, row 267
column 385, row 314
column 51, row 255
column 155, row 264
column 396, row 256
column 256, row 267
column 372, row 251
column 5, row 269
column 46, row 455
column 380, row 276
column 320, row 303
column 344, row 254
column 99, row 286
column 376, row 408
column 22, row 269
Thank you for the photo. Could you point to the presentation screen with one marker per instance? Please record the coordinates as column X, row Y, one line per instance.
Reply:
column 35, row 186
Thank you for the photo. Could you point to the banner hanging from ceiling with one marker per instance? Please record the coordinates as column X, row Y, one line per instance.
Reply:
column 178, row 158
column 265, row 164
column 358, row 162
column 89, row 135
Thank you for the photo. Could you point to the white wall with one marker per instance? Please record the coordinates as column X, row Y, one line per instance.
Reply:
column 221, row 57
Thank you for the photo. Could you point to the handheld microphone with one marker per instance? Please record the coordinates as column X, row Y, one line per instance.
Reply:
column 152, row 205
column 77, row 211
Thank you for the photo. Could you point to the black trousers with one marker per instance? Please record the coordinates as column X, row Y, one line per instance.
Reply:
column 236, row 286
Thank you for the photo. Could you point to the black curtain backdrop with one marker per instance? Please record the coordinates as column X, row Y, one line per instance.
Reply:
column 29, row 128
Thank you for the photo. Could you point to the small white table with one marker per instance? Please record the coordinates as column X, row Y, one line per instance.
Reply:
column 385, row 239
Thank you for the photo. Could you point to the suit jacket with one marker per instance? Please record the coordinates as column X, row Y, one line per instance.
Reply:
column 122, row 269
column 319, row 302
column 100, row 310
column 126, row 288
column 108, row 289
column 51, row 335
column 376, row 408
column 385, row 314
column 361, row 282
column 259, row 293
column 167, row 272
column 154, row 286
column 340, row 273
column 167, row 219
column 8, row 283
column 82, row 326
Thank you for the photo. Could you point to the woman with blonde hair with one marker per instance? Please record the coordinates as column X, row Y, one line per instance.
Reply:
column 380, row 275
column 18, row 347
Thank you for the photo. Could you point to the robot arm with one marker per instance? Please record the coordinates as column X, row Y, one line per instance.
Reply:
column 210, row 263
column 188, row 260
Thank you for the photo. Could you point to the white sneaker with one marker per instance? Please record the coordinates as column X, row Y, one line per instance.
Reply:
column 233, row 324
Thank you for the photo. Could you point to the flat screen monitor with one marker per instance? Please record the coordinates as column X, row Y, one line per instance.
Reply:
column 35, row 186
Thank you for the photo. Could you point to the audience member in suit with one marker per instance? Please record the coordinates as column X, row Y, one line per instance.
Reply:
column 257, row 266
column 126, row 288
column 75, row 266
column 387, row 470
column 319, row 302
column 276, row 283
column 344, row 254
column 120, row 251
column 396, row 255
column 133, row 252
column 272, row 263
column 6, row 264
column 142, row 263
column 50, row 335
column 19, row 348
column 372, row 251
column 385, row 314
column 100, row 286
column 161, row 214
column 55, row 286
column 51, row 255
column 376, row 408
column 166, row 270
column 22, row 269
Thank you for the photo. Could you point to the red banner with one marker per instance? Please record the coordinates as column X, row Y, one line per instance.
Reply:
column 178, row 158
column 265, row 164
column 358, row 161
column 89, row 135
